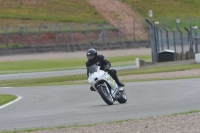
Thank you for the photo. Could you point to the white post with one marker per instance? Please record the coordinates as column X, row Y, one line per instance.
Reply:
column 197, row 57
column 137, row 60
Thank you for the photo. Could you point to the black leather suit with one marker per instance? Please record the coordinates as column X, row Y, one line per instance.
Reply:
column 104, row 65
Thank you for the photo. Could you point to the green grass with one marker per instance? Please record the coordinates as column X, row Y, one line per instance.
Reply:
column 157, row 79
column 185, row 113
column 11, row 46
column 95, row 124
column 80, row 11
column 169, row 9
column 61, row 64
column 61, row 30
column 40, row 65
column 6, row 98
column 61, row 80
column 71, row 80
column 82, row 78
column 50, row 10
column 159, row 69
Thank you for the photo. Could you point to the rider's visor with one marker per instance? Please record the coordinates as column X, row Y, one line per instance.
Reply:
column 90, row 57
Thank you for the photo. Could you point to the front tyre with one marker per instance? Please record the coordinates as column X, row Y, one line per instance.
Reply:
column 106, row 96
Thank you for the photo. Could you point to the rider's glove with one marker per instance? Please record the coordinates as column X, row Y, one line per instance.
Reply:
column 106, row 69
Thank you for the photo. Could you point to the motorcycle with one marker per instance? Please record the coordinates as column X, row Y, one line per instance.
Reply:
column 106, row 86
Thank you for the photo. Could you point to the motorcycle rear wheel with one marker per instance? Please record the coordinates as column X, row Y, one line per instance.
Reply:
column 123, row 97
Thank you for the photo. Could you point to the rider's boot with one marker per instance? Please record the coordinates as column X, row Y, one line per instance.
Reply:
column 120, row 84
column 91, row 88
column 114, row 76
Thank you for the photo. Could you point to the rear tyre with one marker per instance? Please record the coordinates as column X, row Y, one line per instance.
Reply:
column 105, row 95
column 123, row 97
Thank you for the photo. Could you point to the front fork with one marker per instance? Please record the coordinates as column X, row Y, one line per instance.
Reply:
column 112, row 92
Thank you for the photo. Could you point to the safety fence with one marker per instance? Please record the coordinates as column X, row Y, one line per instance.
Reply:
column 70, row 34
column 182, row 39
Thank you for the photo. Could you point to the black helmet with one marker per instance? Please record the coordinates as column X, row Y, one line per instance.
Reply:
column 91, row 54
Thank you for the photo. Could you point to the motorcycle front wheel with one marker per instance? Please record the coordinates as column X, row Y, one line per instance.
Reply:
column 105, row 95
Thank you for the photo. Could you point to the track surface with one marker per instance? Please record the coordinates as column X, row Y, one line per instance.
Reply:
column 67, row 105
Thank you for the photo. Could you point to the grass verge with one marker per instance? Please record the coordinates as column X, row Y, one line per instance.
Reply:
column 169, row 9
column 61, row 80
column 185, row 113
column 156, row 79
column 158, row 69
column 82, row 78
column 61, row 64
column 49, row 82
column 6, row 98
column 50, row 10
column 91, row 125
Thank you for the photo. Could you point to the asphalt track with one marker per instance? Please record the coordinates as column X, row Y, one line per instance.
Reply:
column 68, row 105
column 51, row 73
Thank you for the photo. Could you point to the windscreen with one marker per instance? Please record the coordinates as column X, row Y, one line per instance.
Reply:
column 93, row 68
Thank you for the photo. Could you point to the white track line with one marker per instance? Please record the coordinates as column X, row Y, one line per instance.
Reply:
column 18, row 98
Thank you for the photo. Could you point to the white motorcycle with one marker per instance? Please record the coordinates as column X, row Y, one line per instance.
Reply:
column 106, row 86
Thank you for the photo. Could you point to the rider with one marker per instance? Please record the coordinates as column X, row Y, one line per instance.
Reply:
column 104, row 64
